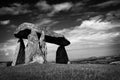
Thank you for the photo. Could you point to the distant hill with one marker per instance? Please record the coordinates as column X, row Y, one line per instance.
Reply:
column 98, row 60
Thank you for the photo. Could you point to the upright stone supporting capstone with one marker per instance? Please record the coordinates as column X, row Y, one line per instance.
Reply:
column 16, row 54
column 31, row 47
column 61, row 55
column 43, row 47
column 35, row 49
column 19, row 57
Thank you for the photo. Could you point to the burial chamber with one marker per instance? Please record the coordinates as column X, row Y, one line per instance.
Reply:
column 25, row 29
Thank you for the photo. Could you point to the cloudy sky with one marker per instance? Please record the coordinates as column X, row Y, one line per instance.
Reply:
column 92, row 26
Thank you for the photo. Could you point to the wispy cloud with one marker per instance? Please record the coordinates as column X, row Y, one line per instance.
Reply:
column 5, row 22
column 60, row 7
column 13, row 26
column 55, row 8
column 108, row 3
column 98, row 24
column 90, row 31
column 90, row 38
column 44, row 21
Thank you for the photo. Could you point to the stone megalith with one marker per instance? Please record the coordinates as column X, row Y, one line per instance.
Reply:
column 36, row 50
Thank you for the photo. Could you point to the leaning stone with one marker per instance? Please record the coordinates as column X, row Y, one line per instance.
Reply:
column 16, row 54
column 19, row 57
column 50, row 36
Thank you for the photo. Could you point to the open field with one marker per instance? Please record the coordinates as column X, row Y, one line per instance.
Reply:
column 51, row 71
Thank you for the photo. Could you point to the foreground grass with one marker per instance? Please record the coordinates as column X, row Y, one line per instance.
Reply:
column 49, row 71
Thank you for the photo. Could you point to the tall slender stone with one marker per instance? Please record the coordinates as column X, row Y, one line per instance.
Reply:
column 61, row 55
column 19, row 56
column 31, row 47
column 16, row 54
column 43, row 46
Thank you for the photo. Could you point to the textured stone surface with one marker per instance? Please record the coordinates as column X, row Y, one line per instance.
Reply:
column 51, row 37
column 19, row 56
column 36, row 49
column 36, row 28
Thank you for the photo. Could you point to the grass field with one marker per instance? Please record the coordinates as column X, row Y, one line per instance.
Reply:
column 51, row 71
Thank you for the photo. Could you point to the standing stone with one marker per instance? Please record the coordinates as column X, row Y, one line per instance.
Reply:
column 61, row 55
column 43, row 46
column 31, row 47
column 16, row 54
column 36, row 50
column 35, row 47
column 19, row 57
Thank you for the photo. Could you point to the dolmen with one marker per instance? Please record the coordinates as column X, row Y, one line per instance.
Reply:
column 36, row 49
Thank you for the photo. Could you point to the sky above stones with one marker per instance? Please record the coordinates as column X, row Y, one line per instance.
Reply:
column 92, row 26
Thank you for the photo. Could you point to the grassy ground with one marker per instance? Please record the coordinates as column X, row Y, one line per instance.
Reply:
column 49, row 71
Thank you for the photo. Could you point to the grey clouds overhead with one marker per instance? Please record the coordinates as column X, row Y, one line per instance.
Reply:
column 86, row 23
column 94, row 7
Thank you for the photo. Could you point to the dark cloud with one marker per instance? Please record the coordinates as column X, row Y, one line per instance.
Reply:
column 113, row 16
column 79, row 10
column 51, row 8
column 15, row 9
column 9, row 2
column 52, row 2
column 85, row 8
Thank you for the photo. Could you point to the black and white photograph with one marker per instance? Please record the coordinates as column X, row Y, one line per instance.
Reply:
column 59, row 39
